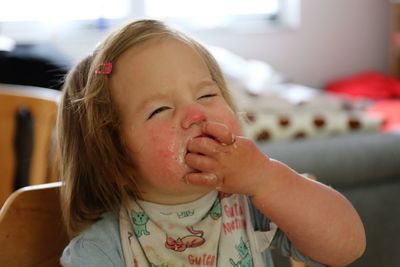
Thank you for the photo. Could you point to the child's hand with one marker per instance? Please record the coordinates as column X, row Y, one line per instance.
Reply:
column 236, row 165
column 229, row 163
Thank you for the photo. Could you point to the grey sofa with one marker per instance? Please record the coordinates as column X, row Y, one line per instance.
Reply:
column 366, row 169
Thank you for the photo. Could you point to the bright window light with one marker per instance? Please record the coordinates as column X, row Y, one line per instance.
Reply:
column 211, row 12
column 59, row 10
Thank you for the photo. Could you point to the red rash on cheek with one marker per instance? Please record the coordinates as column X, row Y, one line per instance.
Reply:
column 161, row 141
column 164, row 149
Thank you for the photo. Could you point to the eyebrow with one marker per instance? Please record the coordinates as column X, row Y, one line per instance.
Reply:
column 150, row 98
column 205, row 83
column 162, row 96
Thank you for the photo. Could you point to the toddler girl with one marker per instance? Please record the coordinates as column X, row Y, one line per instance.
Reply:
column 156, row 172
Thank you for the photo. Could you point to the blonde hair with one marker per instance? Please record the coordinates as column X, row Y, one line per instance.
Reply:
column 95, row 168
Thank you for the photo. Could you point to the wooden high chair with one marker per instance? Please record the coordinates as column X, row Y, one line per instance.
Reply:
column 42, row 105
column 294, row 263
column 31, row 229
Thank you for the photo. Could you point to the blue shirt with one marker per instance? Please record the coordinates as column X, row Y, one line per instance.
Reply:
column 100, row 244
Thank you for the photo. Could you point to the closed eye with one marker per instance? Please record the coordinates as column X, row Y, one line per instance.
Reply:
column 207, row 95
column 158, row 110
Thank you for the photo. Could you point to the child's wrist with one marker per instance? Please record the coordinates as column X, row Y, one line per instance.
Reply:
column 260, row 183
column 270, row 183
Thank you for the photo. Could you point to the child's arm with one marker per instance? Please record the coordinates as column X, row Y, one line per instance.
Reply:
column 318, row 220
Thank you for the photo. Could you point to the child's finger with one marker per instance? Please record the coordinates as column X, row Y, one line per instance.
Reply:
column 202, row 179
column 200, row 162
column 203, row 145
column 219, row 131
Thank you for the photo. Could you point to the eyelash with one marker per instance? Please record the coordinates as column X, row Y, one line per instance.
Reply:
column 207, row 95
column 160, row 109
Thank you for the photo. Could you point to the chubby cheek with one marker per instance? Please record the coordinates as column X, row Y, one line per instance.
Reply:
column 163, row 158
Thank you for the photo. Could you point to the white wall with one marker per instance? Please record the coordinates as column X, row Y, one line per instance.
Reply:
column 336, row 38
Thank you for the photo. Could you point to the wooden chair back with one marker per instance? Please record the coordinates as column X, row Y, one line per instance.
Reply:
column 31, row 229
column 42, row 104
column 294, row 263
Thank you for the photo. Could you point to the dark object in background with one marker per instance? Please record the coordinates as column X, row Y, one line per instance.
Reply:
column 23, row 143
column 34, row 64
column 38, row 65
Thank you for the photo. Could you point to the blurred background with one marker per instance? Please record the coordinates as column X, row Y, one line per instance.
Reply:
column 315, row 81
column 310, row 41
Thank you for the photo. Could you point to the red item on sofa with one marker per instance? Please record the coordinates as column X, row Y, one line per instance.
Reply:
column 372, row 85
column 389, row 110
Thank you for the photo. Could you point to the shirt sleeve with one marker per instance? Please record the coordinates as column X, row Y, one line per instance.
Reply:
column 280, row 241
column 97, row 246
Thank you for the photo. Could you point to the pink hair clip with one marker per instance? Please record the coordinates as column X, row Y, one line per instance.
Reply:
column 104, row 68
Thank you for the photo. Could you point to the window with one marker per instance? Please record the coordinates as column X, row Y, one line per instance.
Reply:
column 61, row 10
column 186, row 13
column 223, row 13
column 211, row 13
column 44, row 20
column 41, row 20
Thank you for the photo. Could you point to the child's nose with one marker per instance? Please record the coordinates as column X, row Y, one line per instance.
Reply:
column 193, row 115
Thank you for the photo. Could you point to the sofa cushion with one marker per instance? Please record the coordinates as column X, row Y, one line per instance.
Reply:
column 342, row 161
